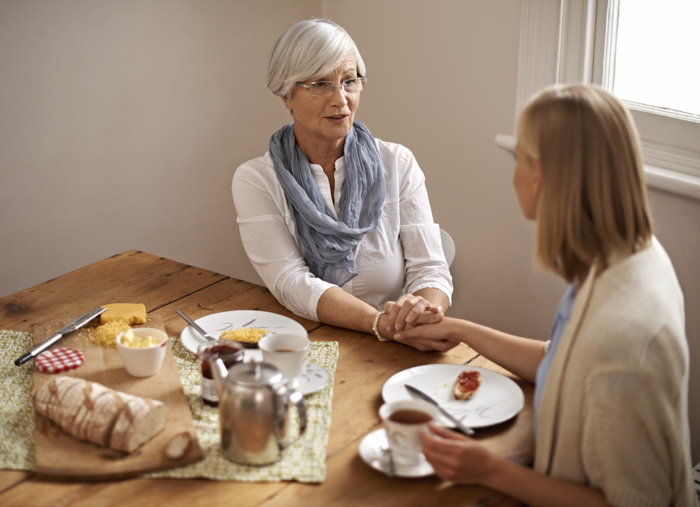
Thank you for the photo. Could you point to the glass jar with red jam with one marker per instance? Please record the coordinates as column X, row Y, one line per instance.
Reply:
column 229, row 352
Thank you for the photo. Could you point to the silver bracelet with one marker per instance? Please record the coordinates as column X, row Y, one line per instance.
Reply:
column 374, row 327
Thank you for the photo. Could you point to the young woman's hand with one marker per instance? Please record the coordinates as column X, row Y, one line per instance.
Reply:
column 423, row 335
column 455, row 457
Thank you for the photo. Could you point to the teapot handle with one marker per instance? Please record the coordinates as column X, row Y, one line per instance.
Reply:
column 298, row 399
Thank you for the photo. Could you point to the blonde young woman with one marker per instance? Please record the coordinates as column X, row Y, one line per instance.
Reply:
column 334, row 221
column 611, row 385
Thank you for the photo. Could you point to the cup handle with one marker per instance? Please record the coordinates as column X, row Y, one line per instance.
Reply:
column 298, row 399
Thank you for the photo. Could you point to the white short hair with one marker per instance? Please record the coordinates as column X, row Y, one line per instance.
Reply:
column 307, row 49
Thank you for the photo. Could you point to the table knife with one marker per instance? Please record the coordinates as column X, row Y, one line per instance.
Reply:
column 467, row 430
column 73, row 326
column 195, row 326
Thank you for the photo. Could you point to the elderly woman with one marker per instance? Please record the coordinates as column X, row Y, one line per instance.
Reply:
column 337, row 222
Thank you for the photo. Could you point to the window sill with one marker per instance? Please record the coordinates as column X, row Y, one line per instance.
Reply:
column 657, row 177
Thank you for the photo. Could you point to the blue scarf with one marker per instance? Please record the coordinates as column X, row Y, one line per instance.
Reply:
column 328, row 244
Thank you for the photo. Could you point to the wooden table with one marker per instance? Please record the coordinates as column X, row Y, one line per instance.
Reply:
column 363, row 367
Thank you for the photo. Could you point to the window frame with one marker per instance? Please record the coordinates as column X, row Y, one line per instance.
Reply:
column 562, row 41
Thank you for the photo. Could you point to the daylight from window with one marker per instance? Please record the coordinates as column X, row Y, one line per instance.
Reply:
column 657, row 58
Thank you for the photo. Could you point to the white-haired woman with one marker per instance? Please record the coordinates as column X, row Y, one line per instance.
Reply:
column 611, row 385
column 336, row 222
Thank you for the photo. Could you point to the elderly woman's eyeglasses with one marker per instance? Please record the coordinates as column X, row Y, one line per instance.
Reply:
column 326, row 88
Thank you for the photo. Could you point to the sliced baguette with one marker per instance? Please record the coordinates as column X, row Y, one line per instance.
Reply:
column 63, row 386
column 91, row 392
column 100, row 420
column 47, row 398
column 139, row 421
column 90, row 411
column 42, row 397
column 70, row 405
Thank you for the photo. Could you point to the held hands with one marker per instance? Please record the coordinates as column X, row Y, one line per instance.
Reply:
column 411, row 309
column 406, row 314
column 457, row 458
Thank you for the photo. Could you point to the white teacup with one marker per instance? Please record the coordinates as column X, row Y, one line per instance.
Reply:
column 404, row 421
column 288, row 352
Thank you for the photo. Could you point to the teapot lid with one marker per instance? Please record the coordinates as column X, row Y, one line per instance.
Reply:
column 255, row 373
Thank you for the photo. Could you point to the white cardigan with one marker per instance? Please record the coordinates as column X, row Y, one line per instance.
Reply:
column 614, row 411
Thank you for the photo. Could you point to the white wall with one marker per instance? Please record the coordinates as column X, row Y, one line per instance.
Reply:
column 122, row 123
column 441, row 81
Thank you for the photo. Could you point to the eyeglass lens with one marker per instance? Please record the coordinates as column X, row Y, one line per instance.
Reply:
column 325, row 88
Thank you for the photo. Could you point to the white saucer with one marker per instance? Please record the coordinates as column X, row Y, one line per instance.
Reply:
column 314, row 378
column 372, row 454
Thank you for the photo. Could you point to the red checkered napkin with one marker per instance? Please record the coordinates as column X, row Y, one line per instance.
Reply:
column 58, row 360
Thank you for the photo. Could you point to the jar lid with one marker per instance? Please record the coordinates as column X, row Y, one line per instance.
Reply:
column 59, row 360
column 255, row 373
column 218, row 348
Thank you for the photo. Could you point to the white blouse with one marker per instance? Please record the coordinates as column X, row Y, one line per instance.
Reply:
column 402, row 255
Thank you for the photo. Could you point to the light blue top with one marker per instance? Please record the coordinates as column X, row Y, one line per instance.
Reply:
column 562, row 319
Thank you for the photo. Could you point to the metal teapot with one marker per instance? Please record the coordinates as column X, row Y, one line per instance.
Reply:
column 254, row 412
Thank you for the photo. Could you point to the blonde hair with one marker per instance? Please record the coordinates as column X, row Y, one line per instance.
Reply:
column 308, row 49
column 593, row 198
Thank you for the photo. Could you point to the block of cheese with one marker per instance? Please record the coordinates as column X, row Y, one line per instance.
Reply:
column 133, row 313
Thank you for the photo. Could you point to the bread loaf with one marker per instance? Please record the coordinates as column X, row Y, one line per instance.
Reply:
column 81, row 409
column 179, row 445
column 90, row 411
column 139, row 421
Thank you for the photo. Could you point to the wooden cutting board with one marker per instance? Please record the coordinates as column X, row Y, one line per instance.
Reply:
column 60, row 455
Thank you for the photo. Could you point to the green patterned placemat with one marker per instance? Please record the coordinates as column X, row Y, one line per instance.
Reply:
column 302, row 461
column 16, row 410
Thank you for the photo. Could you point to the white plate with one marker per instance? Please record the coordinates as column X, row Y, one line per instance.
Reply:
column 372, row 454
column 314, row 378
column 217, row 323
column 497, row 400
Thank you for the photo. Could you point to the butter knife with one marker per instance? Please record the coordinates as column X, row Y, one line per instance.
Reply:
column 195, row 326
column 465, row 429
column 76, row 324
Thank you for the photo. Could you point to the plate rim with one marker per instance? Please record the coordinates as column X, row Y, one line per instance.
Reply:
column 463, row 367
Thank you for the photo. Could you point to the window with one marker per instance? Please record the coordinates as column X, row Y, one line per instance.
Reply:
column 590, row 41
column 656, row 53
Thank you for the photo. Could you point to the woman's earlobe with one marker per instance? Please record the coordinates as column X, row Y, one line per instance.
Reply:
column 536, row 175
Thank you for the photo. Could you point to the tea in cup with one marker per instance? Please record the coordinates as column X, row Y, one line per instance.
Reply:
column 288, row 352
column 404, row 422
